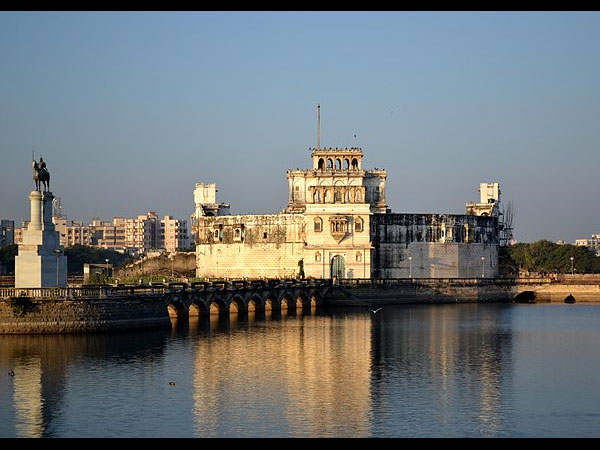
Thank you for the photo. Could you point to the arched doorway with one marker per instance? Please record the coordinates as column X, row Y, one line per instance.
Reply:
column 338, row 267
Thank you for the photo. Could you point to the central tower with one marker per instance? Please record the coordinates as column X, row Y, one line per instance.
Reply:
column 337, row 198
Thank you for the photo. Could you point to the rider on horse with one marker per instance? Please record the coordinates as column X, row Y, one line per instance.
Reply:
column 41, row 174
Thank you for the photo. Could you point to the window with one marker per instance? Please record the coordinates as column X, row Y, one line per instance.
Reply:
column 318, row 225
column 358, row 225
column 265, row 235
column 358, row 256
column 317, row 196
column 318, row 257
column 337, row 193
column 358, row 196
column 216, row 234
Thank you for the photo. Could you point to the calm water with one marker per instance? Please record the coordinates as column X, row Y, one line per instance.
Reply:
column 446, row 370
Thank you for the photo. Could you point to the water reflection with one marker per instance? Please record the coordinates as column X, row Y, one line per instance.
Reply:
column 293, row 376
column 452, row 370
column 454, row 357
column 33, row 398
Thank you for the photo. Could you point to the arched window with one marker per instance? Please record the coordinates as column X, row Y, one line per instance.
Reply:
column 318, row 257
column 358, row 256
column 354, row 164
column 317, row 196
column 338, row 164
column 346, row 164
column 327, row 195
column 321, row 163
column 318, row 225
column 337, row 195
column 358, row 225
column 216, row 234
column 329, row 163
column 358, row 196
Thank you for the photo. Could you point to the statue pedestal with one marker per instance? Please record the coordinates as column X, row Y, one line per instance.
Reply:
column 41, row 261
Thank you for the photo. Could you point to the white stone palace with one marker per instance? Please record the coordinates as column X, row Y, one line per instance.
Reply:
column 337, row 225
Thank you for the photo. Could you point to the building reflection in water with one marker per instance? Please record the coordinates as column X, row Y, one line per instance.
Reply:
column 409, row 370
column 442, row 369
column 32, row 400
column 293, row 376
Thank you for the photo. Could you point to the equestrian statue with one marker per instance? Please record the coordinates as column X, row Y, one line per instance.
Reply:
column 41, row 175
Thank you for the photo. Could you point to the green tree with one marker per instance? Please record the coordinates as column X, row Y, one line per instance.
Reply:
column 546, row 256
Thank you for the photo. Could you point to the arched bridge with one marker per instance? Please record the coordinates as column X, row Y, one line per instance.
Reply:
column 225, row 297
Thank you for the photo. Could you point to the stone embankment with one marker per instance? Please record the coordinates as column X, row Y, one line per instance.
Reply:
column 27, row 315
column 468, row 290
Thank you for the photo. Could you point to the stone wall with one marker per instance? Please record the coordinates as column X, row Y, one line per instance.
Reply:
column 181, row 264
column 250, row 246
column 438, row 245
column 87, row 315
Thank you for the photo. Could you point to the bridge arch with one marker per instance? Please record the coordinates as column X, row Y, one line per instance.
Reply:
column 302, row 301
column 218, row 306
column 198, row 309
column 255, row 304
column 286, row 301
column 315, row 299
column 272, row 304
column 237, row 305
column 525, row 297
column 176, row 309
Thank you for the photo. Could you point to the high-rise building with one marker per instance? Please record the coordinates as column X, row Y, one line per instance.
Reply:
column 174, row 234
column 142, row 233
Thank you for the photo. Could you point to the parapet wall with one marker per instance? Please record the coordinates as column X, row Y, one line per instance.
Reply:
column 84, row 315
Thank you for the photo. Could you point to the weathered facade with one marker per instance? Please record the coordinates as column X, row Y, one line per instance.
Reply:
column 337, row 225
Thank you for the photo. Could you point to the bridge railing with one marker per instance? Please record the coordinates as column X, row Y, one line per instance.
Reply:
column 56, row 293
column 382, row 282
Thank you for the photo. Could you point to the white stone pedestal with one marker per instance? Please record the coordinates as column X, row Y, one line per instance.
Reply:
column 38, row 264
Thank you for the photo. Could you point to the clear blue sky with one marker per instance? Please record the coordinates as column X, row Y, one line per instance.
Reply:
column 131, row 109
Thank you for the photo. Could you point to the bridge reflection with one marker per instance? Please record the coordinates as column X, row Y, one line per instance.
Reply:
column 294, row 372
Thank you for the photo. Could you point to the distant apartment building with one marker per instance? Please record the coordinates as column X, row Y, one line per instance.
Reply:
column 592, row 243
column 174, row 234
column 127, row 235
column 142, row 233
column 73, row 232
column 110, row 235
column 7, row 233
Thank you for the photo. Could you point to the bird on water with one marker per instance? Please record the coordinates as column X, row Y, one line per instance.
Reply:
column 171, row 383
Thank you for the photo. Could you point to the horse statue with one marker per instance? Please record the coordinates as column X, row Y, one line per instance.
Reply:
column 41, row 175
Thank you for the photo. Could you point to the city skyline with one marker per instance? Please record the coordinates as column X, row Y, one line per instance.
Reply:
column 130, row 110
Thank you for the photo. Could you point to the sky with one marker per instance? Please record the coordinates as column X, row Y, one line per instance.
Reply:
column 131, row 109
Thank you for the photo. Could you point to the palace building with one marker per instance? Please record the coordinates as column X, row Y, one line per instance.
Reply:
column 337, row 225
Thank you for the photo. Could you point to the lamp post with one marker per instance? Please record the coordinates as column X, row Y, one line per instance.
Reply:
column 410, row 265
column 572, row 267
column 57, row 252
column 483, row 267
column 172, row 260
column 106, row 261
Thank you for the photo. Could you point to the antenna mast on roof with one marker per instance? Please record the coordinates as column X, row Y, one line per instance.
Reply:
column 318, row 125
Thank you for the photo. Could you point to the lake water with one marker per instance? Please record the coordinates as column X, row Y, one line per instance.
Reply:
column 436, row 370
